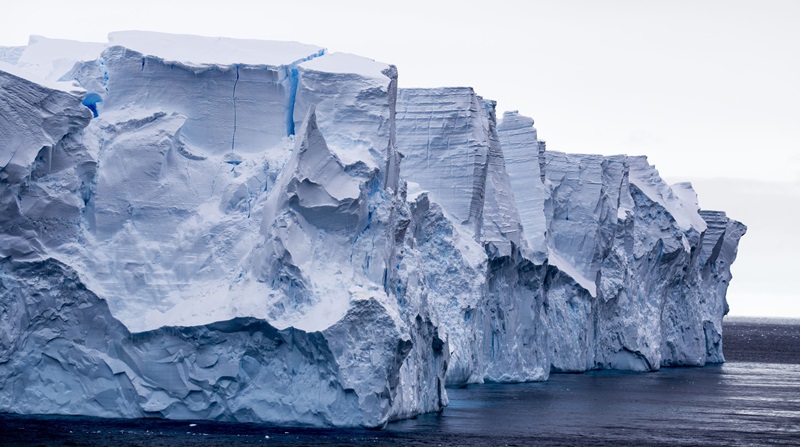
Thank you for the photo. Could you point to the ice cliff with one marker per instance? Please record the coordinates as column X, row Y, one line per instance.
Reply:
column 199, row 228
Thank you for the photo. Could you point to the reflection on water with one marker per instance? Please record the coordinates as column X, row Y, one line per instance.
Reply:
column 734, row 402
column 752, row 399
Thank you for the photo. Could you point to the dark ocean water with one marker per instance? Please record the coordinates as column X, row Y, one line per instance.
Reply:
column 753, row 399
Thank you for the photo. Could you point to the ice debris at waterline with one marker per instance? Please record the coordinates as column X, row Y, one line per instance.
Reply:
column 203, row 228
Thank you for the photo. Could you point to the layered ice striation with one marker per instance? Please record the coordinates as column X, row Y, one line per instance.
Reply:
column 231, row 91
column 211, row 228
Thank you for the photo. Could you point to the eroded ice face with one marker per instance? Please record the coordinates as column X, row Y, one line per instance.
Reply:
column 262, row 231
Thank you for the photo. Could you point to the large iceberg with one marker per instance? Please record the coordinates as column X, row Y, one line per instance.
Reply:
column 203, row 228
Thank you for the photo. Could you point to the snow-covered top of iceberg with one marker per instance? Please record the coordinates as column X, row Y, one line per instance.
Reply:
column 514, row 120
column 201, row 51
column 29, row 76
column 346, row 63
column 52, row 58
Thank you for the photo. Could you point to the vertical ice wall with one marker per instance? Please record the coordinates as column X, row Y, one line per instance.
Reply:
column 488, row 294
column 502, row 229
column 343, row 88
column 620, row 286
column 520, row 146
column 443, row 136
column 234, row 93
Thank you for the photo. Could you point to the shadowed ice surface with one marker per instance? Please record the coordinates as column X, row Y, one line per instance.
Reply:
column 754, row 399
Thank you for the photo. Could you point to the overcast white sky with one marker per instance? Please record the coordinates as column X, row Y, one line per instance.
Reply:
column 708, row 89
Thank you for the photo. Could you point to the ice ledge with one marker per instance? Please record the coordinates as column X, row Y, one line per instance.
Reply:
column 26, row 75
column 53, row 58
column 206, row 52
column 346, row 63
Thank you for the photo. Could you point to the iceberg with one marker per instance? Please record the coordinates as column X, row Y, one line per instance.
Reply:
column 240, row 230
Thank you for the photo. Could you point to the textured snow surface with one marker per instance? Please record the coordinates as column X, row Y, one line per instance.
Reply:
column 212, row 228
column 36, row 114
